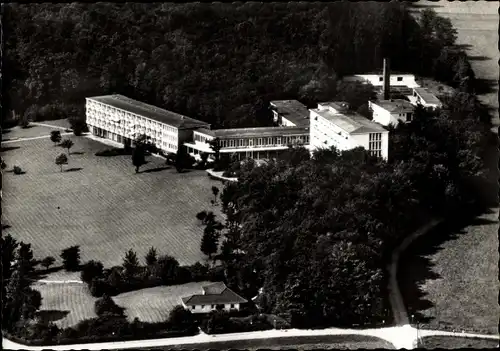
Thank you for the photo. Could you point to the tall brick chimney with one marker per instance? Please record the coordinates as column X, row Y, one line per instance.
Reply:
column 387, row 80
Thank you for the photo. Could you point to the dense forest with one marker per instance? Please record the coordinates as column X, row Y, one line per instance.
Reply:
column 219, row 62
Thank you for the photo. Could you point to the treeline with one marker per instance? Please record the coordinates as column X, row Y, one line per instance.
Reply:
column 317, row 233
column 220, row 63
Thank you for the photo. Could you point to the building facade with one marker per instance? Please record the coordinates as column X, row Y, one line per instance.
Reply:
column 377, row 79
column 120, row 119
column 333, row 124
column 394, row 111
column 256, row 143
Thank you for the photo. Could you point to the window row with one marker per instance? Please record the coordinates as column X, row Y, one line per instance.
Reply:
column 268, row 141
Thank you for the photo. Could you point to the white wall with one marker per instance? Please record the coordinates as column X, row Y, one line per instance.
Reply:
column 406, row 79
column 322, row 130
column 209, row 308
column 363, row 140
column 287, row 123
column 382, row 116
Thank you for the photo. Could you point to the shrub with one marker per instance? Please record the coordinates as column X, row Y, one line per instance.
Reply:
column 91, row 270
column 180, row 319
column 48, row 261
column 201, row 215
column 78, row 125
column 17, row 170
column 114, row 152
column 71, row 258
column 107, row 306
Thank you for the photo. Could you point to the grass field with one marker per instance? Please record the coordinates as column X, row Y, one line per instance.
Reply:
column 339, row 342
column 450, row 281
column 65, row 304
column 154, row 304
column 101, row 204
column 448, row 342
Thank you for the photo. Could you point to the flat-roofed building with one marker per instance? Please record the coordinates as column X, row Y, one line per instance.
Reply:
column 425, row 98
column 290, row 113
column 333, row 124
column 256, row 143
column 377, row 79
column 121, row 119
column 391, row 111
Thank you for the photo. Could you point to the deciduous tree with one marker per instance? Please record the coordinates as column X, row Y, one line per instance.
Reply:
column 67, row 144
column 48, row 261
column 55, row 136
column 71, row 258
column 61, row 160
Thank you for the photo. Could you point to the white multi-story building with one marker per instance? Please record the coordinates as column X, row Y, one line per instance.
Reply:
column 257, row 143
column 290, row 113
column 121, row 119
column 333, row 124
column 391, row 111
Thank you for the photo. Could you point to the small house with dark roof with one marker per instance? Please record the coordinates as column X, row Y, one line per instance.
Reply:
column 216, row 296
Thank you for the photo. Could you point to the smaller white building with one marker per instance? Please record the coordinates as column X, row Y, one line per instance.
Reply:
column 425, row 98
column 392, row 111
column 290, row 113
column 377, row 79
column 216, row 296
column 333, row 124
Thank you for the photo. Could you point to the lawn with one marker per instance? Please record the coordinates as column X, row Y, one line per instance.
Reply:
column 154, row 304
column 449, row 342
column 65, row 304
column 32, row 131
column 342, row 342
column 100, row 204
column 449, row 278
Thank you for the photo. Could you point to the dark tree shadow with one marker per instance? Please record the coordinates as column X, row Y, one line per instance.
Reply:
column 6, row 131
column 416, row 5
column 185, row 171
column 463, row 46
column 415, row 266
column 6, row 226
column 157, row 169
column 20, row 173
column 51, row 315
column 478, row 58
column 78, row 153
column 29, row 126
column 484, row 86
column 74, row 169
column 9, row 148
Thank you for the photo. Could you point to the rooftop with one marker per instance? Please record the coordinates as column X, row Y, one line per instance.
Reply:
column 149, row 111
column 216, row 293
column 351, row 122
column 427, row 96
column 259, row 132
column 292, row 110
column 395, row 105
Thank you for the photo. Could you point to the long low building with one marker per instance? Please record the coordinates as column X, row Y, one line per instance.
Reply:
column 121, row 119
column 257, row 143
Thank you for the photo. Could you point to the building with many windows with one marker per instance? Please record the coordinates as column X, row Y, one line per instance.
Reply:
column 256, row 143
column 334, row 124
column 121, row 119
column 377, row 79
column 290, row 113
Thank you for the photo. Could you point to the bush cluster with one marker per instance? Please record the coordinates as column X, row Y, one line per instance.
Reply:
column 163, row 271
column 114, row 152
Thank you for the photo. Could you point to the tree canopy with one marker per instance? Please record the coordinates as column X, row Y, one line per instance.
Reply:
column 219, row 62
